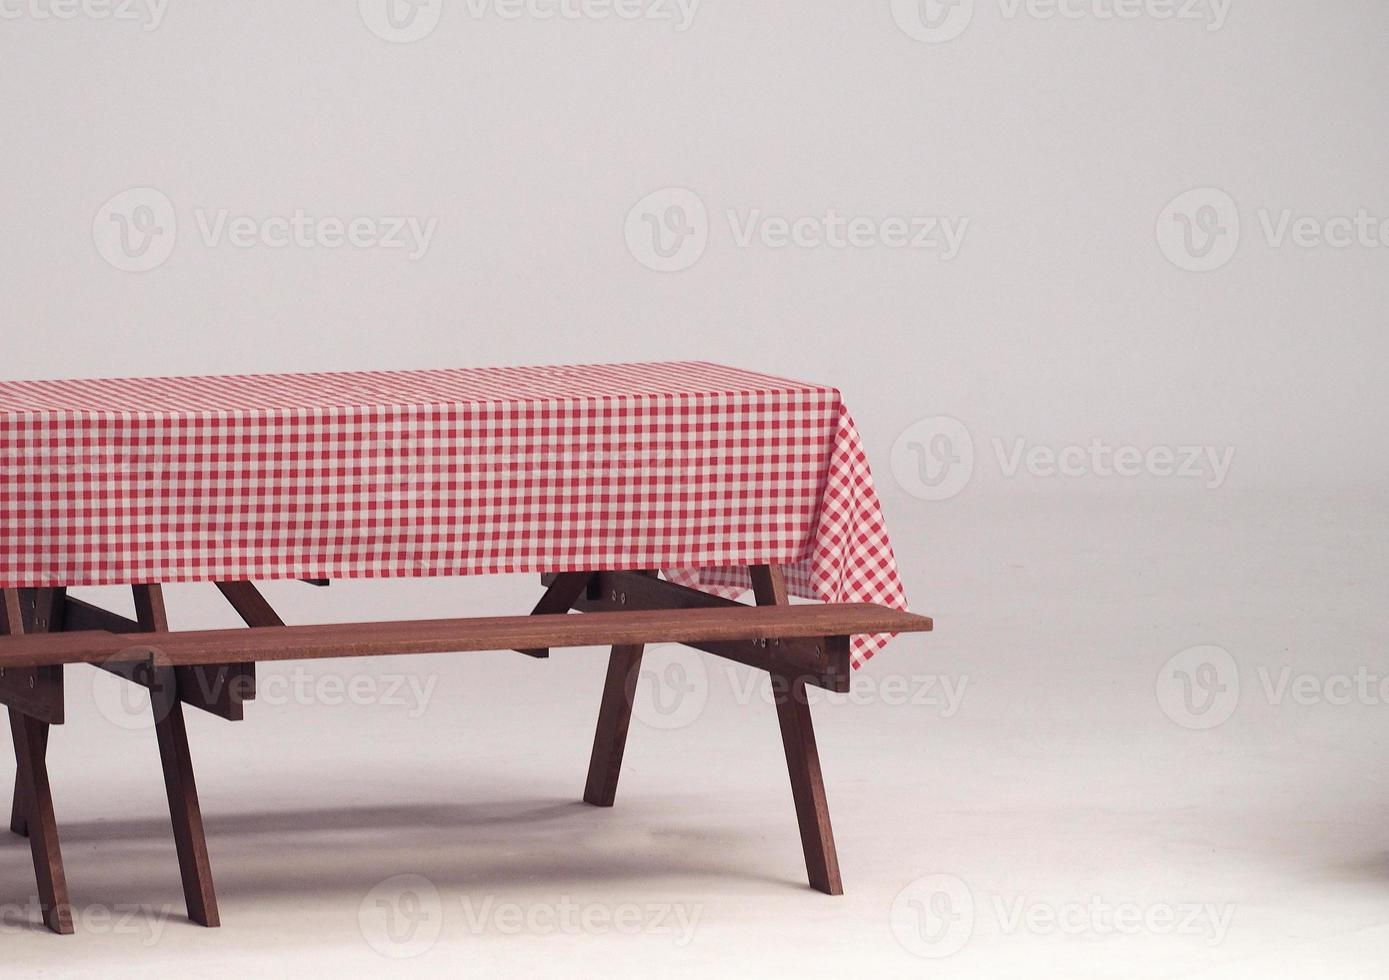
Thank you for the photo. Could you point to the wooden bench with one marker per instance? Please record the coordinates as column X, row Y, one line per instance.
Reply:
column 799, row 645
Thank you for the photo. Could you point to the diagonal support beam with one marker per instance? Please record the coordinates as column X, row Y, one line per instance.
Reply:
column 821, row 661
column 565, row 589
column 218, row 689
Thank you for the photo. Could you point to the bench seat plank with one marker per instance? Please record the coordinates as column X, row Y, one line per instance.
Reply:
column 459, row 635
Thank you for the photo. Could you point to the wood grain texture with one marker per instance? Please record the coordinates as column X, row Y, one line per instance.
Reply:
column 769, row 585
column 759, row 625
column 559, row 597
column 614, row 718
column 802, row 756
column 807, row 784
column 823, row 660
column 184, row 811
column 35, row 690
column 35, row 796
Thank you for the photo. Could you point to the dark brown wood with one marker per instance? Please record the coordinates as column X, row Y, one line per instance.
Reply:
column 216, row 689
column 41, row 824
column 19, row 808
column 80, row 616
column 769, row 585
column 614, row 717
column 249, row 604
column 807, row 784
column 802, row 756
column 229, row 685
column 760, row 626
column 35, row 690
column 34, row 796
column 559, row 597
column 184, row 810
column 822, row 660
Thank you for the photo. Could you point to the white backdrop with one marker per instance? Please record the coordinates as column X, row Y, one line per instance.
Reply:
column 1048, row 148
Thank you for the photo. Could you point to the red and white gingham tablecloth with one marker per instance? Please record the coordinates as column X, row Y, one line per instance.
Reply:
column 693, row 468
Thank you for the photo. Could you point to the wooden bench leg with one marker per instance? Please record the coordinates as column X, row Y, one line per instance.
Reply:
column 39, row 822
column 807, row 785
column 184, row 811
column 614, row 717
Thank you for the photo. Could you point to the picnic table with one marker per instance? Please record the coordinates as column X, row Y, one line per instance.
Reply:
column 649, row 497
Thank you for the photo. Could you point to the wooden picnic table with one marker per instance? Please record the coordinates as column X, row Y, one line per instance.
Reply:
column 647, row 496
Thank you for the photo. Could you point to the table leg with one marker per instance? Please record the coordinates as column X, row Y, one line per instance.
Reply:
column 807, row 785
column 184, row 810
column 802, row 757
column 37, row 612
column 33, row 810
column 614, row 717
column 40, row 823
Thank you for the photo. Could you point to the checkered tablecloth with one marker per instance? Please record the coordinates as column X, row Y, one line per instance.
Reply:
column 688, row 467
